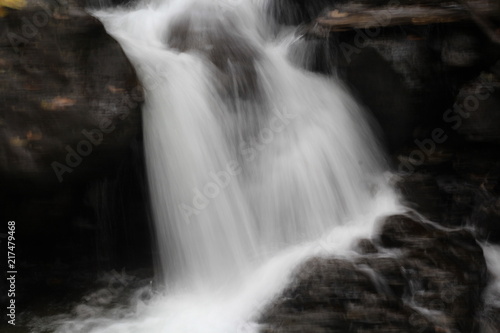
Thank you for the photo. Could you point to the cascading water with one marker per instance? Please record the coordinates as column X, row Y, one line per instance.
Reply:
column 253, row 164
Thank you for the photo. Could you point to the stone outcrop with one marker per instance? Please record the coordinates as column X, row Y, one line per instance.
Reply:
column 420, row 279
column 69, row 94
column 71, row 172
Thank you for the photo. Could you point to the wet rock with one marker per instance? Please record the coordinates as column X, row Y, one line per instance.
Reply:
column 421, row 192
column 431, row 281
column 233, row 57
column 389, row 275
column 490, row 320
column 461, row 191
column 400, row 230
column 366, row 246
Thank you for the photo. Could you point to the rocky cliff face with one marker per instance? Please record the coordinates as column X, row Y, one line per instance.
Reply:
column 68, row 93
column 70, row 147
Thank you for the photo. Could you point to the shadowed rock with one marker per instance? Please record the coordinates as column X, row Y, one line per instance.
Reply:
column 432, row 283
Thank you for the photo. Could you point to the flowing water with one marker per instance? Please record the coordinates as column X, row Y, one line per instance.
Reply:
column 491, row 294
column 254, row 163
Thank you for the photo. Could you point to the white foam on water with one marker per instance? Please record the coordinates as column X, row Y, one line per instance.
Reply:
column 232, row 308
column 492, row 257
column 254, row 164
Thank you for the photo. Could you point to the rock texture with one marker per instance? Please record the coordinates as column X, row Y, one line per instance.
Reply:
column 461, row 190
column 421, row 279
column 62, row 76
column 71, row 172
column 434, row 91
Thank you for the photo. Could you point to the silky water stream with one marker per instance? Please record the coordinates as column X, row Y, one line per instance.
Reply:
column 254, row 164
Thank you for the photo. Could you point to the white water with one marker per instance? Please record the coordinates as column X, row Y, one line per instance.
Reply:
column 492, row 257
column 491, row 294
column 253, row 164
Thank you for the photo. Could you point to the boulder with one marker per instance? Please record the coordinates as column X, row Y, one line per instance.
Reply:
column 70, row 97
column 71, row 163
column 424, row 279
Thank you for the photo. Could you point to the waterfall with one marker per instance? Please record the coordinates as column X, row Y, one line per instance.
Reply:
column 253, row 163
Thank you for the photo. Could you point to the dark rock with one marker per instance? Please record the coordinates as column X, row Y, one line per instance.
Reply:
column 67, row 89
column 462, row 191
column 391, row 272
column 378, row 86
column 441, row 271
column 460, row 48
column 477, row 107
column 229, row 52
column 490, row 320
column 365, row 246
column 400, row 230
column 421, row 192
column 62, row 79
column 294, row 12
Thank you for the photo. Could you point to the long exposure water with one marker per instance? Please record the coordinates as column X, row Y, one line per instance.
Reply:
column 254, row 163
